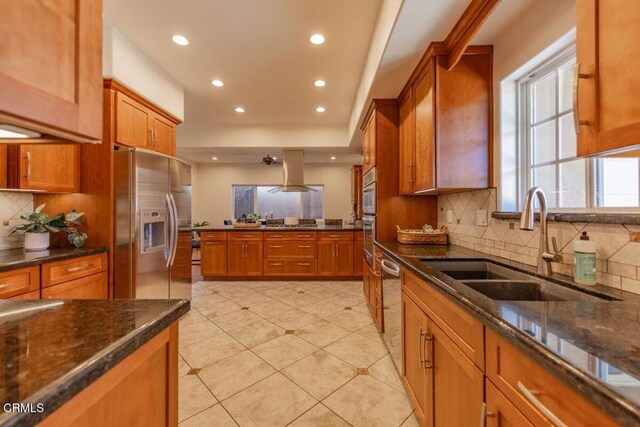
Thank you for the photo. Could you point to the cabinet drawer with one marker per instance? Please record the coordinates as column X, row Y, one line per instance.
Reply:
column 290, row 235
column 531, row 388
column 89, row 287
column 335, row 235
column 245, row 235
column 300, row 267
column 290, row 249
column 500, row 411
column 54, row 273
column 358, row 236
column 465, row 330
column 213, row 235
column 21, row 281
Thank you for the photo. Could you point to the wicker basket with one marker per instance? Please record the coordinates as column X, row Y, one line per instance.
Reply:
column 417, row 237
column 246, row 225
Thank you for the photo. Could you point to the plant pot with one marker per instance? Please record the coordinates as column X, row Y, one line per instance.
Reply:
column 36, row 242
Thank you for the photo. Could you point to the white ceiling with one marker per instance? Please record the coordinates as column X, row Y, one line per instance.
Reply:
column 502, row 18
column 260, row 49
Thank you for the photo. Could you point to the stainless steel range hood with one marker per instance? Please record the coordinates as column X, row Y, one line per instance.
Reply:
column 293, row 168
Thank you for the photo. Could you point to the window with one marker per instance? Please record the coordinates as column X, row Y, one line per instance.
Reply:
column 548, row 147
column 256, row 198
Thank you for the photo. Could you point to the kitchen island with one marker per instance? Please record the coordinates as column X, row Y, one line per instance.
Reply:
column 574, row 361
column 104, row 362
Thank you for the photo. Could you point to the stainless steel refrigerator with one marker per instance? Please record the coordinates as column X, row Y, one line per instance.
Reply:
column 152, row 204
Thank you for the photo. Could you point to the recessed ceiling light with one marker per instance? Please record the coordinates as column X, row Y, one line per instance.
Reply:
column 181, row 40
column 217, row 83
column 319, row 83
column 333, row 157
column 320, row 110
column 239, row 110
column 275, row 158
column 317, row 38
column 214, row 158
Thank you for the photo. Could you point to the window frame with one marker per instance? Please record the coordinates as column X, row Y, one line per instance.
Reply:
column 524, row 106
column 255, row 199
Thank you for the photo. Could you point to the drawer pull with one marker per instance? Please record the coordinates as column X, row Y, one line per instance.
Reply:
column 79, row 268
column 335, row 236
column 304, row 264
column 246, row 236
column 428, row 341
column 276, row 235
column 213, row 243
column 304, row 246
column 302, row 236
column 276, row 246
column 484, row 414
column 275, row 264
column 531, row 396
column 421, row 348
column 4, row 285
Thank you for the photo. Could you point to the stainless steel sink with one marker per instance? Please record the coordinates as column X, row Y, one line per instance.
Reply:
column 504, row 284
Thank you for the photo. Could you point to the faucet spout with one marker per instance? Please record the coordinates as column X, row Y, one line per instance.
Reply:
column 527, row 222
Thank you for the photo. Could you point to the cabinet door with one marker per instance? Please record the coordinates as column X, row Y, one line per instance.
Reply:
column 414, row 330
column 89, row 287
column 344, row 258
column 369, row 144
column 326, row 258
column 358, row 256
column 366, row 282
column 607, row 37
column 133, row 127
column 458, row 385
column 365, row 149
column 253, row 258
column 164, row 135
column 51, row 66
column 406, row 135
column 54, row 168
column 425, row 148
column 235, row 258
column 214, row 258
column 500, row 412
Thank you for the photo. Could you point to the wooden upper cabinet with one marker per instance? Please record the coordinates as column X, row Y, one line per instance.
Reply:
column 51, row 67
column 53, row 168
column 607, row 113
column 369, row 145
column 356, row 191
column 445, row 124
column 140, row 124
column 406, row 136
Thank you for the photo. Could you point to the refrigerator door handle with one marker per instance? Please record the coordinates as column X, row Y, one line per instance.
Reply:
column 174, row 241
column 170, row 232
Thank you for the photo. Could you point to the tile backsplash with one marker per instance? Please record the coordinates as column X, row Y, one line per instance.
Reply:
column 617, row 252
column 12, row 205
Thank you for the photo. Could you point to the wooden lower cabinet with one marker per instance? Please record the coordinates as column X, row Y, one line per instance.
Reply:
column 181, row 267
column 500, row 412
column 28, row 295
column 142, row 390
column 89, row 287
column 213, row 257
column 335, row 258
column 15, row 283
column 358, row 255
column 289, row 267
column 244, row 258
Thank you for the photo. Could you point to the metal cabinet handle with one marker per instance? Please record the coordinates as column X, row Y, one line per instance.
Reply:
column 576, row 104
column 484, row 414
column 421, row 349
column 337, row 250
column 335, row 236
column 276, row 246
column 304, row 264
column 531, row 397
column 28, row 158
column 276, row 235
column 4, row 285
column 212, row 243
column 428, row 341
column 275, row 264
column 79, row 268
column 303, row 236
column 304, row 246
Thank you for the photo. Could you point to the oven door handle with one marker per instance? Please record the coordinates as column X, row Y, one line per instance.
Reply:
column 390, row 267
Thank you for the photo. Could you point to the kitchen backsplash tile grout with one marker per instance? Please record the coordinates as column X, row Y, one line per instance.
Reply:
column 12, row 205
column 618, row 253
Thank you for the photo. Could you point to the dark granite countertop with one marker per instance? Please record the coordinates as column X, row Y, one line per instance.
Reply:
column 592, row 346
column 51, row 355
column 11, row 259
column 267, row 228
column 601, row 217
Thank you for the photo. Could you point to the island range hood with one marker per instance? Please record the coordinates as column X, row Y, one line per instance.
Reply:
column 293, row 168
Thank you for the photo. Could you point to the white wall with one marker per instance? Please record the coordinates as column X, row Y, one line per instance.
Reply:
column 544, row 29
column 212, row 199
column 122, row 61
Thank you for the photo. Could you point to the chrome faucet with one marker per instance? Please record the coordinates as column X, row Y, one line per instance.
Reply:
column 527, row 222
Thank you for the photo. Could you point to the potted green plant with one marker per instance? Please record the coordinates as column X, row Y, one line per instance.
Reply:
column 75, row 237
column 38, row 227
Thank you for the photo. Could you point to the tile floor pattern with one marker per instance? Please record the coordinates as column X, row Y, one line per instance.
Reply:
column 285, row 354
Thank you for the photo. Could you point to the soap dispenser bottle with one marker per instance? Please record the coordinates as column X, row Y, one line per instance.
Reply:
column 584, row 269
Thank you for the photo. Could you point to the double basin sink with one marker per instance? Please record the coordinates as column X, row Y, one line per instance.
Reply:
column 505, row 284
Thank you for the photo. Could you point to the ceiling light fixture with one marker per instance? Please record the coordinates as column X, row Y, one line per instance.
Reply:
column 275, row 158
column 239, row 110
column 333, row 157
column 320, row 110
column 214, row 158
column 217, row 83
column 181, row 40
column 319, row 83
column 317, row 38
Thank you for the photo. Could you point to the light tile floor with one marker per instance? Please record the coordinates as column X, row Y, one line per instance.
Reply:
column 285, row 353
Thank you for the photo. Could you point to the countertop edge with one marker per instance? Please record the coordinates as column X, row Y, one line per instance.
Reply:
column 13, row 265
column 65, row 388
column 612, row 403
column 267, row 228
